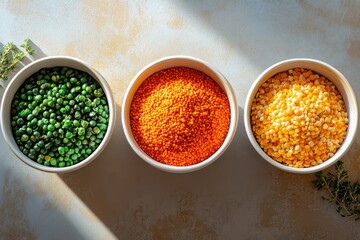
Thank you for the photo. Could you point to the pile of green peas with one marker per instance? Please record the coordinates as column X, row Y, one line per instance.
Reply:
column 59, row 116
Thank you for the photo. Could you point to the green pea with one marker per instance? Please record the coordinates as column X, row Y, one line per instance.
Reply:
column 51, row 103
column 24, row 113
column 85, row 123
column 68, row 135
column 81, row 131
column 61, row 164
column 87, row 109
column 20, row 121
column 67, row 124
column 41, row 143
column 77, row 115
column 38, row 98
column 24, row 138
column 96, row 102
column 102, row 126
column 34, row 122
column 96, row 130
column 88, row 89
column 59, row 100
column 40, row 123
column 36, row 111
column 48, row 146
column 76, row 123
column 62, row 92
column 77, row 107
column 25, row 151
column 50, row 127
column 29, row 130
column 43, row 151
column 28, row 145
column 53, row 162
column 68, row 72
column 61, row 150
column 36, row 147
column 57, row 141
column 73, row 80
column 30, row 117
column 98, row 92
column 92, row 144
column 46, row 114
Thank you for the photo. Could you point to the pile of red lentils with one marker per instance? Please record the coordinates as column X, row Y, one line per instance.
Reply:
column 179, row 116
column 299, row 118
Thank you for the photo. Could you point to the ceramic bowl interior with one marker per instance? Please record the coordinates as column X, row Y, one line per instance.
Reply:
column 177, row 61
column 341, row 84
column 20, row 78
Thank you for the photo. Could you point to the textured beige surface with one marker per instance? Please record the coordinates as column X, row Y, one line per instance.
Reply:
column 118, row 196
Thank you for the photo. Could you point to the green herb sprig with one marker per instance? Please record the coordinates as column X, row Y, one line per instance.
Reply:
column 11, row 55
column 341, row 191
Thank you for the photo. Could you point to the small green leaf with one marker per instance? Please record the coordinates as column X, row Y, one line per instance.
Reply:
column 11, row 55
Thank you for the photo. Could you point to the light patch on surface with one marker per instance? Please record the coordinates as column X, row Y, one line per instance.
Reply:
column 184, row 224
column 351, row 160
column 348, row 14
column 354, row 48
column 13, row 220
column 54, row 188
column 118, row 35
column 296, row 209
column 176, row 23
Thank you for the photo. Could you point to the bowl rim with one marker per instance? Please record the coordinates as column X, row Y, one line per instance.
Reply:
column 225, row 85
column 271, row 71
column 24, row 74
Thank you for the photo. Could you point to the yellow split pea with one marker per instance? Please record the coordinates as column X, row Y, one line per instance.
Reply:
column 299, row 118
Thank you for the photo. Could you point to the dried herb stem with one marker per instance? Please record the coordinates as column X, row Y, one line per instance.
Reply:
column 340, row 190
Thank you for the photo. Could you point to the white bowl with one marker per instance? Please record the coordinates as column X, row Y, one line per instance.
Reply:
column 341, row 84
column 177, row 61
column 24, row 74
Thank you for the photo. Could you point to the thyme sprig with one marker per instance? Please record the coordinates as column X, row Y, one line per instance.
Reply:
column 341, row 191
column 11, row 55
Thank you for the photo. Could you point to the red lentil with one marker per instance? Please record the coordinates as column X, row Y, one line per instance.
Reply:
column 179, row 116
